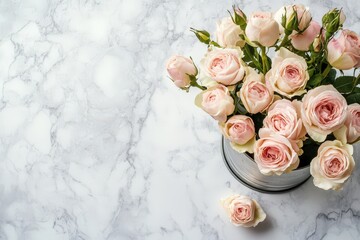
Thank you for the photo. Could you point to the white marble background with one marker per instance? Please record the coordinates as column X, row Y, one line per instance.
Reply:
column 96, row 143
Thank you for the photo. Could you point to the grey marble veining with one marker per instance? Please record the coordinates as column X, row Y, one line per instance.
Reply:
column 96, row 143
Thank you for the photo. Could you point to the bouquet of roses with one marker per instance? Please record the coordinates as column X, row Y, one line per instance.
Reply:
column 276, row 85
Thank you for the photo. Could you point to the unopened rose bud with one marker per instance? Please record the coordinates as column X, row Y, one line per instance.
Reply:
column 239, row 17
column 180, row 69
column 202, row 35
column 332, row 20
column 317, row 44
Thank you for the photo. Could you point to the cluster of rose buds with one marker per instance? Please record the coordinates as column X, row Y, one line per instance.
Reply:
column 274, row 106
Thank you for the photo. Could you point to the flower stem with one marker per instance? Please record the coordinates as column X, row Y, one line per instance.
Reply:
column 195, row 84
column 326, row 71
column 264, row 60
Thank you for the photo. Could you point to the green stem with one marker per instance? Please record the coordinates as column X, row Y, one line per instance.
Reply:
column 284, row 41
column 253, row 59
column 195, row 84
column 326, row 71
column 264, row 60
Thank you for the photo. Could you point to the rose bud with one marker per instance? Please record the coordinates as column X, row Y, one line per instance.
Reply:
column 240, row 130
column 243, row 211
column 344, row 52
column 222, row 66
column 254, row 94
column 333, row 165
column 323, row 111
column 332, row 20
column 217, row 102
column 262, row 28
column 288, row 74
column 228, row 33
column 179, row 68
column 293, row 17
column 302, row 41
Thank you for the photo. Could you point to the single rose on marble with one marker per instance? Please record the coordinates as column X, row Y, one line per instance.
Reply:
column 179, row 68
column 254, row 93
column 275, row 154
column 240, row 130
column 216, row 101
column 344, row 52
column 323, row 111
column 243, row 211
column 302, row 41
column 350, row 132
column 262, row 28
column 228, row 33
column 288, row 74
column 333, row 165
column 222, row 66
column 284, row 117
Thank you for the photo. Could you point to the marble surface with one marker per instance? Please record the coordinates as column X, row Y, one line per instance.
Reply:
column 96, row 143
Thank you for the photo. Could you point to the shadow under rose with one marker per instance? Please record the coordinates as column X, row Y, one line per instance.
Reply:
column 262, row 227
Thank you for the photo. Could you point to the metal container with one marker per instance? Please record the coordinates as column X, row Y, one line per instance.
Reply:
column 245, row 170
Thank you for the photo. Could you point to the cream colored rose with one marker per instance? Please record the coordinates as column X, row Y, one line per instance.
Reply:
column 179, row 68
column 333, row 165
column 228, row 33
column 323, row 111
column 216, row 101
column 254, row 94
column 303, row 15
column 344, row 52
column 284, row 118
column 350, row 132
column 262, row 28
column 240, row 130
column 288, row 75
column 243, row 211
column 223, row 66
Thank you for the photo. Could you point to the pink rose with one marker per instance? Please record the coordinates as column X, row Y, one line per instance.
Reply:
column 350, row 132
column 223, row 66
column 333, row 165
column 303, row 16
column 240, row 130
column 323, row 111
column 344, row 52
column 254, row 94
column 228, row 33
column 262, row 28
column 179, row 69
column 275, row 154
column 284, row 118
column 302, row 41
column 243, row 211
column 217, row 102
column 288, row 74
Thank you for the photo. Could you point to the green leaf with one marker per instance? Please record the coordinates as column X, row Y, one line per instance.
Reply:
column 315, row 80
column 353, row 98
column 345, row 84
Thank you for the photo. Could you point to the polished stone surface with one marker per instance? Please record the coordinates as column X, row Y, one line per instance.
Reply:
column 96, row 143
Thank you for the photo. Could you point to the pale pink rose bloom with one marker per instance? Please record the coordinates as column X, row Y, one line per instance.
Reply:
column 223, row 66
column 284, row 118
column 333, row 165
column 216, row 101
column 240, row 130
column 243, row 211
column 254, row 94
column 288, row 74
column 228, row 33
column 275, row 154
column 303, row 15
column 350, row 132
column 302, row 41
column 344, row 52
column 262, row 28
column 179, row 68
column 323, row 111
